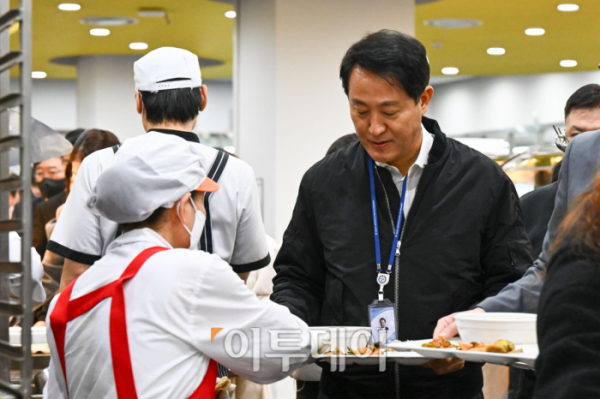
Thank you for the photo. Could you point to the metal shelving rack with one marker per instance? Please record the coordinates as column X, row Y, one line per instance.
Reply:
column 22, row 307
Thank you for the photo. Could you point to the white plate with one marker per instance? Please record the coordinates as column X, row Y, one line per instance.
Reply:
column 406, row 358
column 530, row 353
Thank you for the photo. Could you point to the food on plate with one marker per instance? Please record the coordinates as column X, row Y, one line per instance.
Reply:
column 499, row 346
column 369, row 350
column 441, row 343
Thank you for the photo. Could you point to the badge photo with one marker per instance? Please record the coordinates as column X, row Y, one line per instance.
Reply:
column 383, row 323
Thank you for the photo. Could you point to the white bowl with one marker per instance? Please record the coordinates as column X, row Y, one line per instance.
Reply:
column 520, row 328
column 340, row 337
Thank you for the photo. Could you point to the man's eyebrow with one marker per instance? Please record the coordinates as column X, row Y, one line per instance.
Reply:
column 357, row 102
column 388, row 104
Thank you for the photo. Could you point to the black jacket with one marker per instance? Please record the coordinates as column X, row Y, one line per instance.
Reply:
column 464, row 240
column 537, row 207
column 568, row 326
column 45, row 212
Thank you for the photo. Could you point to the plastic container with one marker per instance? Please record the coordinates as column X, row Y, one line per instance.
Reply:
column 520, row 328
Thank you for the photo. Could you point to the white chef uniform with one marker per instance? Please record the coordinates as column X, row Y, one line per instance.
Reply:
column 234, row 228
column 170, row 306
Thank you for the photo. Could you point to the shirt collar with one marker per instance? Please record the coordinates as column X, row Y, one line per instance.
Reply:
column 421, row 161
column 145, row 235
column 188, row 136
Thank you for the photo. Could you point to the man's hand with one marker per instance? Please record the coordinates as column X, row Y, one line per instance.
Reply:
column 446, row 326
column 443, row 366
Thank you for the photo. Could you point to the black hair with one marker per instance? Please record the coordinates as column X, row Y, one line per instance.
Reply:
column 587, row 97
column 73, row 135
column 175, row 105
column 383, row 320
column 397, row 57
column 342, row 142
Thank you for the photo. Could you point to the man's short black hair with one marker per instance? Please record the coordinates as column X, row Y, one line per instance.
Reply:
column 175, row 105
column 587, row 97
column 396, row 57
column 342, row 142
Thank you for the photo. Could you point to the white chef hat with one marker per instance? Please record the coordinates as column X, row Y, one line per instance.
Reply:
column 167, row 68
column 148, row 172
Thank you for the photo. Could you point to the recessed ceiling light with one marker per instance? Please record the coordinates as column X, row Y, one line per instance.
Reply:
column 230, row 14
column 568, row 63
column 450, row 71
column 453, row 23
column 138, row 46
column 534, row 31
column 152, row 13
column 69, row 7
column 38, row 74
column 99, row 32
column 108, row 21
column 496, row 51
column 568, row 7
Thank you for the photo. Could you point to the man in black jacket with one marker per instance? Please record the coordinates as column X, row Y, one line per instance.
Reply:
column 462, row 240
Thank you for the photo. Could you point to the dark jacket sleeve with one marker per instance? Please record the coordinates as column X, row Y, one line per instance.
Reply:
column 38, row 239
column 300, row 265
column 569, row 332
column 505, row 250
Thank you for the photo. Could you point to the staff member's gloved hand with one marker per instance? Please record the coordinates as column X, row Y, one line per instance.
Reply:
column 446, row 326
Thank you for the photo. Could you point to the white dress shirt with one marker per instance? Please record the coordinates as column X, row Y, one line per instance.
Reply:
column 171, row 305
column 414, row 173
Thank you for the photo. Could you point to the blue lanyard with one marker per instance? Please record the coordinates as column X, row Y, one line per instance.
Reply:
column 395, row 245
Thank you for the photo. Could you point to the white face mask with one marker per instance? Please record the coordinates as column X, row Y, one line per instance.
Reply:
column 198, row 227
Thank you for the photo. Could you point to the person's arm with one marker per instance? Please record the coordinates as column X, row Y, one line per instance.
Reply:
column 250, row 251
column 238, row 312
column 71, row 270
column 300, row 266
column 568, row 333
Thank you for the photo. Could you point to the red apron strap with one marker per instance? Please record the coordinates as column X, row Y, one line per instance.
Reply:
column 119, row 343
column 58, row 323
column 207, row 387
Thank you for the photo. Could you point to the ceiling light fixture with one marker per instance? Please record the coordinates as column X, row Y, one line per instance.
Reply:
column 453, row 23
column 108, row 21
column 69, row 7
column 568, row 7
column 450, row 71
column 568, row 63
column 534, row 32
column 38, row 74
column 138, row 46
column 99, row 32
column 230, row 14
column 496, row 51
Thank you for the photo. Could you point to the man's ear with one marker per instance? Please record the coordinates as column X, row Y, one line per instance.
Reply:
column 139, row 105
column 203, row 93
column 426, row 99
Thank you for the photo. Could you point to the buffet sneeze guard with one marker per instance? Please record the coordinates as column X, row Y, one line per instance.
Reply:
column 18, row 22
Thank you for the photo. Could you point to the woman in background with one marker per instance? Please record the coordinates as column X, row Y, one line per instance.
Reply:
column 569, row 314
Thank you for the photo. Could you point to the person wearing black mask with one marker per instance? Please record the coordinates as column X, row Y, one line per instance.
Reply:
column 50, row 178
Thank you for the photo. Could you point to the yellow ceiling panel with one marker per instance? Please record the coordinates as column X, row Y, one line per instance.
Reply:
column 569, row 36
column 196, row 25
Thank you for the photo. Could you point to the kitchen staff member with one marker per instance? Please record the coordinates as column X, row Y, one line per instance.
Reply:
column 168, row 94
column 138, row 323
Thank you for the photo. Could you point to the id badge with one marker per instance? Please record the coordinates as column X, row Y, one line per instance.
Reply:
column 383, row 322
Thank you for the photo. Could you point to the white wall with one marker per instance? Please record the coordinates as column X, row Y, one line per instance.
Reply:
column 503, row 102
column 218, row 115
column 53, row 102
column 287, row 65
